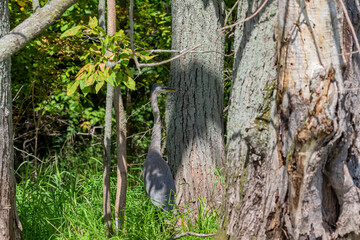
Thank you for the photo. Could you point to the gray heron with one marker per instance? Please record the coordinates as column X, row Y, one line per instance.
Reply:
column 159, row 183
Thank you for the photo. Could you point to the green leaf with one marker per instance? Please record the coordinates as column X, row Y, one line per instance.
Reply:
column 71, row 87
column 110, row 78
column 130, row 83
column 86, row 90
column 71, row 32
column 99, row 85
column 129, row 72
column 90, row 80
column 93, row 22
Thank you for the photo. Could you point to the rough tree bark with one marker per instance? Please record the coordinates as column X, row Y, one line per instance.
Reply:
column 10, row 226
column 32, row 26
column 108, row 120
column 107, row 160
column 293, row 133
column 194, row 113
column 121, row 167
column 121, row 185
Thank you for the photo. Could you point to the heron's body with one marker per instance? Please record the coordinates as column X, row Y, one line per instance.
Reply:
column 159, row 183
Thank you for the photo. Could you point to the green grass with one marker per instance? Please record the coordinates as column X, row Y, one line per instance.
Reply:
column 60, row 203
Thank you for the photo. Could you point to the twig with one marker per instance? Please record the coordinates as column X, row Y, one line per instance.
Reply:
column 131, row 16
column 18, row 93
column 348, row 53
column 168, row 60
column 246, row 19
column 29, row 154
column 191, row 234
column 143, row 106
column 350, row 25
column 143, row 136
column 229, row 13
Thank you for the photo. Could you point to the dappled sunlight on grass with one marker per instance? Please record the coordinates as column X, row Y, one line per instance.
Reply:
column 62, row 204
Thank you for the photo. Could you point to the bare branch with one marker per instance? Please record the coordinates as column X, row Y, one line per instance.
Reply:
column 35, row 5
column 131, row 16
column 29, row 154
column 32, row 26
column 169, row 60
column 231, row 10
column 246, row 19
column 191, row 234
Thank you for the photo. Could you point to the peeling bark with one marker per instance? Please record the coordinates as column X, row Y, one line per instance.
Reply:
column 302, row 181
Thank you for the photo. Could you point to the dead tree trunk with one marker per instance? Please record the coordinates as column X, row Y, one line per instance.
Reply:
column 10, row 226
column 195, row 143
column 293, row 151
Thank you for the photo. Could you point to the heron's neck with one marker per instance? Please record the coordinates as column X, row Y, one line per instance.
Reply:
column 156, row 132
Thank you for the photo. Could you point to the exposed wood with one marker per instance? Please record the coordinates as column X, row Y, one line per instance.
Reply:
column 293, row 163
column 32, row 26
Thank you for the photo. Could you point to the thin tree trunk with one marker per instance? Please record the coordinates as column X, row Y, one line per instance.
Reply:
column 107, row 160
column 293, row 164
column 107, row 138
column 121, row 167
column 120, row 202
column 10, row 226
column 194, row 113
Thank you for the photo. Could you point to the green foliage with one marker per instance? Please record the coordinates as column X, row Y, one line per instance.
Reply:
column 61, row 202
column 105, row 49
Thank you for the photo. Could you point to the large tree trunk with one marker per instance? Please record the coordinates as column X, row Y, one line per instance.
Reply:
column 10, row 226
column 293, row 163
column 194, row 113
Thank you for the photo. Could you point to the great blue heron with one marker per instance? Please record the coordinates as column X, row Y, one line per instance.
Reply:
column 158, row 180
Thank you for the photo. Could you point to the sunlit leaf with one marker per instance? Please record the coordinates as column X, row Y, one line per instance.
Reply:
column 99, row 85
column 102, row 67
column 130, row 83
column 93, row 22
column 71, row 87
column 84, row 68
column 21, row 3
column 90, row 80
column 71, row 32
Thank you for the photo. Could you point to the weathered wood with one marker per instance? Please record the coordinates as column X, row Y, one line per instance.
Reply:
column 293, row 152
